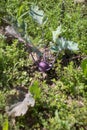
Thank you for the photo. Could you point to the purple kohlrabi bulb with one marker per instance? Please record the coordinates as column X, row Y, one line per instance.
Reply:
column 44, row 66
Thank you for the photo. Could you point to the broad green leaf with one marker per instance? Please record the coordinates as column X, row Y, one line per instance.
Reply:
column 84, row 67
column 5, row 125
column 35, row 89
column 63, row 44
column 37, row 15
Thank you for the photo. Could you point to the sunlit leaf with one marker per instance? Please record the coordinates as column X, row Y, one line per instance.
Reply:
column 20, row 108
column 84, row 67
column 63, row 44
column 37, row 15
column 72, row 46
column 20, row 10
column 5, row 125
column 35, row 89
column 56, row 33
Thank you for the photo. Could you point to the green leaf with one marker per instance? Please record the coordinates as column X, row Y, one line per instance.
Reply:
column 63, row 44
column 54, row 49
column 20, row 11
column 84, row 67
column 5, row 125
column 56, row 33
column 37, row 15
column 72, row 46
column 35, row 90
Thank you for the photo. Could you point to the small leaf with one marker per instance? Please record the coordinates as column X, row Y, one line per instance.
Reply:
column 20, row 108
column 35, row 90
column 20, row 11
column 37, row 15
column 54, row 49
column 5, row 125
column 84, row 67
column 61, row 44
column 72, row 46
column 56, row 33
column 10, row 30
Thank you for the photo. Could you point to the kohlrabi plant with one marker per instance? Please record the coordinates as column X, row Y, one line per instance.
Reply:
column 57, row 45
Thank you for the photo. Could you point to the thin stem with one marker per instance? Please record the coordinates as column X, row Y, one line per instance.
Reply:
column 33, row 57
